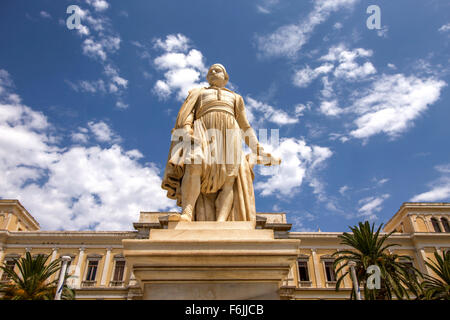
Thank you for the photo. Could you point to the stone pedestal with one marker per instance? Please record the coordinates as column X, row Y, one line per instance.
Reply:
column 210, row 260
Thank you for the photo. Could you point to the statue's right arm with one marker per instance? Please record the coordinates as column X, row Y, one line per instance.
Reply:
column 184, row 119
column 188, row 124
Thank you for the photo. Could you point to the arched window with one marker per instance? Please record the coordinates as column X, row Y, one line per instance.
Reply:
column 436, row 226
column 445, row 224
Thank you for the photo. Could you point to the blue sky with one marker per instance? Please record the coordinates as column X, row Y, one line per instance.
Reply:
column 362, row 114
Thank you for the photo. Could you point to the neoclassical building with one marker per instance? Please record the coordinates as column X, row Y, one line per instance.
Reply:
column 99, row 269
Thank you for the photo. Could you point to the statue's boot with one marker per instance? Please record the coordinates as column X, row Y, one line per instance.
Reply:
column 186, row 217
column 187, row 214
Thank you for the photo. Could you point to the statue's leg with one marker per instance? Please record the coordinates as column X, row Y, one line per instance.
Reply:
column 224, row 200
column 190, row 190
column 210, row 207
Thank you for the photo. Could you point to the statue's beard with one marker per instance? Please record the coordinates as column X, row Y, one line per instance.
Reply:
column 217, row 82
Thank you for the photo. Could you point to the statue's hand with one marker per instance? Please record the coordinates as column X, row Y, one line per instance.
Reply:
column 269, row 160
column 188, row 128
column 264, row 158
column 189, row 132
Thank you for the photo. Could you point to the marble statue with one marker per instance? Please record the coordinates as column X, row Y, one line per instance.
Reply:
column 207, row 172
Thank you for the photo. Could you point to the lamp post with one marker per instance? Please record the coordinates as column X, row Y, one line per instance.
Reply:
column 62, row 276
column 352, row 265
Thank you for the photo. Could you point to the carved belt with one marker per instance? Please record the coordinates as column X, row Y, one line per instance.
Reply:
column 216, row 105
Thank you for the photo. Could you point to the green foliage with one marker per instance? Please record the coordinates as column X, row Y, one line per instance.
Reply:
column 31, row 282
column 398, row 278
column 438, row 288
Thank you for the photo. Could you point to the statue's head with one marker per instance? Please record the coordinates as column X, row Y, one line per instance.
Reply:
column 217, row 75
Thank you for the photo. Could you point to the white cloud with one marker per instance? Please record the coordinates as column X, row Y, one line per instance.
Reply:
column 114, row 77
column 300, row 108
column 111, row 43
column 327, row 91
column 183, row 67
column 258, row 112
column 298, row 162
column 103, row 132
column 343, row 189
column 383, row 32
column 266, row 6
column 330, row 108
column 75, row 187
column 303, row 77
column 287, row 40
column 439, row 189
column 99, row 45
column 338, row 26
column 162, row 89
column 371, row 205
column 338, row 136
column 346, row 65
column 121, row 105
column 83, row 30
column 298, row 223
column 380, row 182
column 45, row 14
column 79, row 137
column 173, row 42
column 392, row 66
column 440, row 192
column 445, row 28
column 444, row 168
column 88, row 86
column 99, row 5
column 94, row 49
column 116, row 85
column 393, row 103
column 340, row 63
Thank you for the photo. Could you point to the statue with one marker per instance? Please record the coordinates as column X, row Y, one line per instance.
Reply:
column 206, row 171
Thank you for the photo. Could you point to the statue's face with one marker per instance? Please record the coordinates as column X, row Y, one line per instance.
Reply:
column 216, row 77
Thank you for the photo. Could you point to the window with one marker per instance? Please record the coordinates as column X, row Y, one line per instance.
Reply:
column 436, row 226
column 303, row 273
column 91, row 270
column 445, row 224
column 118, row 273
column 9, row 264
column 329, row 271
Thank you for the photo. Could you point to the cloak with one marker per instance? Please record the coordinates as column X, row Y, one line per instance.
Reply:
column 243, row 208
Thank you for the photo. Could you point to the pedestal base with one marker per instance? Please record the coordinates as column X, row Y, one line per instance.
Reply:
column 210, row 260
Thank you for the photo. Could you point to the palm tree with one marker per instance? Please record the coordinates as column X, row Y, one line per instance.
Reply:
column 435, row 288
column 369, row 248
column 32, row 280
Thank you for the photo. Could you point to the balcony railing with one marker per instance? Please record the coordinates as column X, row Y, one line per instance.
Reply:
column 116, row 283
column 305, row 284
column 88, row 283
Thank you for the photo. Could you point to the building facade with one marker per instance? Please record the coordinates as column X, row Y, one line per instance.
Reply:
column 99, row 269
